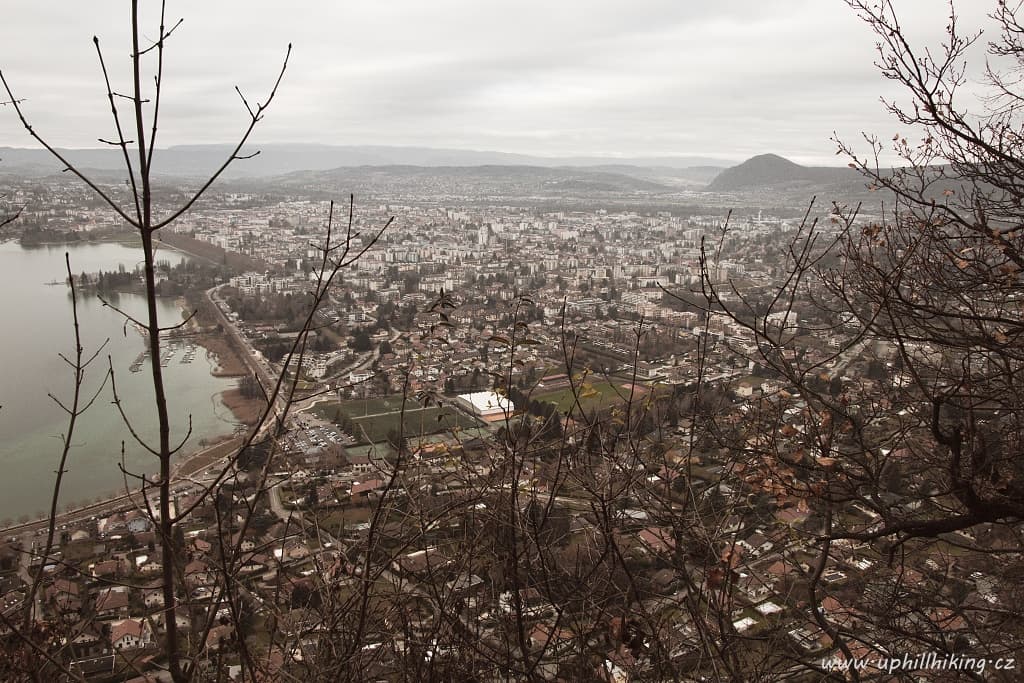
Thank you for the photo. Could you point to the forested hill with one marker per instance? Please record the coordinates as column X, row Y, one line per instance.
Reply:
column 772, row 171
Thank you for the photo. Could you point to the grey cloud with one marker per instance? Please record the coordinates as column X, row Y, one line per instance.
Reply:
column 571, row 77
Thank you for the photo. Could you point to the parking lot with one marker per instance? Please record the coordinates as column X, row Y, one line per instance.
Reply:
column 310, row 433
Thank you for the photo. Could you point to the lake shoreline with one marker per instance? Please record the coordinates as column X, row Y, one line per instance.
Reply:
column 33, row 424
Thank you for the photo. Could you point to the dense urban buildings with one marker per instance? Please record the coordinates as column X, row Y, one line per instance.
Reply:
column 491, row 377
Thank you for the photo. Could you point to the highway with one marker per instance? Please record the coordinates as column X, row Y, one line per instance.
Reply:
column 246, row 351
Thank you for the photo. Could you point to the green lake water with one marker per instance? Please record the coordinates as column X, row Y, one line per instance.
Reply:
column 35, row 327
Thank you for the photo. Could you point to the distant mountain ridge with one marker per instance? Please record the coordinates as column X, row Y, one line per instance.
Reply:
column 280, row 159
column 770, row 171
column 374, row 166
column 488, row 179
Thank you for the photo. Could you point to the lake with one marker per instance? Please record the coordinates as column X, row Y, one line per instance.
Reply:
column 37, row 327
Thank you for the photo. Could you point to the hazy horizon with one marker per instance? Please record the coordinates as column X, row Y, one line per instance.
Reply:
column 656, row 79
column 680, row 161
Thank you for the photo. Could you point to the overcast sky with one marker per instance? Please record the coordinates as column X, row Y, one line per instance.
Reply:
column 729, row 79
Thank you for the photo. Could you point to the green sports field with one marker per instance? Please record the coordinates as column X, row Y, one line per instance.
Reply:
column 592, row 395
column 375, row 418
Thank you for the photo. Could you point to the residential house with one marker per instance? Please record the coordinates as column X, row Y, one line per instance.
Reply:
column 130, row 634
column 112, row 601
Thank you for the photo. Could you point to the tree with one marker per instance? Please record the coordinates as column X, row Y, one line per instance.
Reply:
column 602, row 547
column 135, row 119
column 902, row 467
column 7, row 218
column 361, row 341
column 395, row 440
column 249, row 386
column 940, row 280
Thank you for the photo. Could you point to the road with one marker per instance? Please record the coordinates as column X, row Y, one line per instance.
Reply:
column 247, row 352
column 294, row 517
column 265, row 373
column 365, row 359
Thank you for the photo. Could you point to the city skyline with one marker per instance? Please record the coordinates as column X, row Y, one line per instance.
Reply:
column 658, row 79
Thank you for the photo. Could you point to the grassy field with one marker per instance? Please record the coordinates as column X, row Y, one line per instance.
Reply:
column 376, row 418
column 592, row 395
column 371, row 406
column 418, row 421
column 207, row 456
